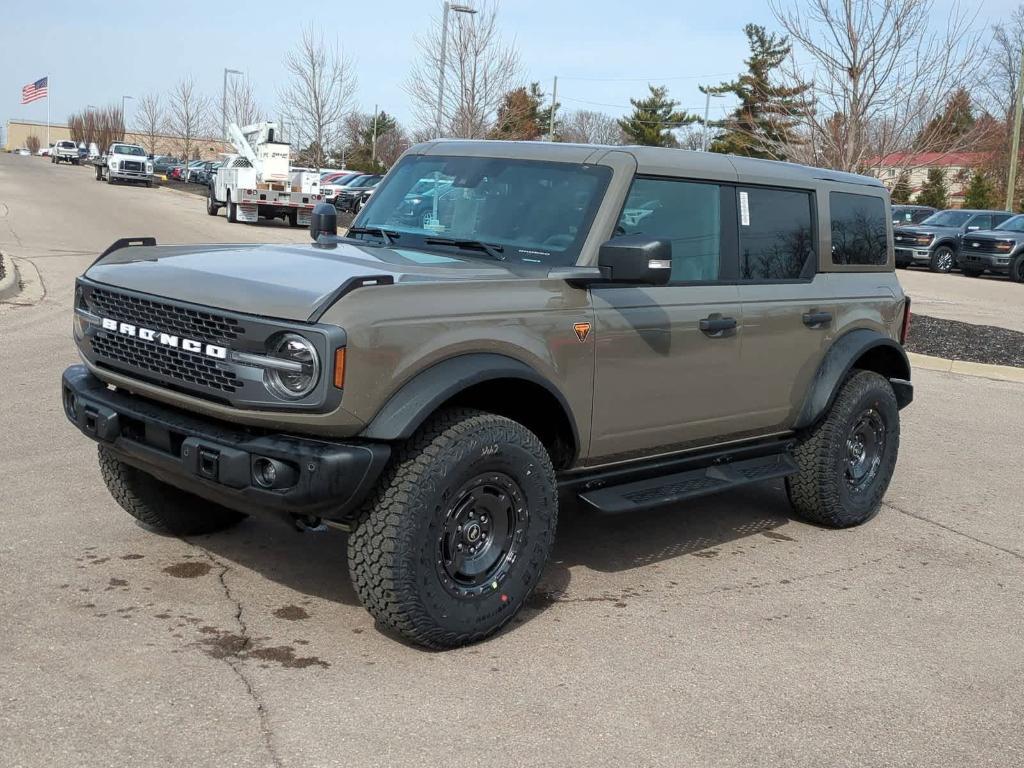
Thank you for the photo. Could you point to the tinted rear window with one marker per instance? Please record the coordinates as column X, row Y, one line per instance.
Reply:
column 858, row 229
column 776, row 241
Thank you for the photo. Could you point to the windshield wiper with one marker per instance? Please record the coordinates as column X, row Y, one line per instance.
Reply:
column 384, row 234
column 492, row 250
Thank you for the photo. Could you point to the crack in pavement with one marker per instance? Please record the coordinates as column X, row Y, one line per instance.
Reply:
column 951, row 529
column 235, row 663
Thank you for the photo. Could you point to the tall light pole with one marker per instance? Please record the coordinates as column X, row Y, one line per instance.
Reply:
column 1018, row 107
column 707, row 109
column 444, row 60
column 122, row 115
column 224, row 102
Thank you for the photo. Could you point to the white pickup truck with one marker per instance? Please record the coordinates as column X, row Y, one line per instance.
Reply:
column 64, row 151
column 125, row 162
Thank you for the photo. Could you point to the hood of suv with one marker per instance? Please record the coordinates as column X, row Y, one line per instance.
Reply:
column 918, row 229
column 282, row 281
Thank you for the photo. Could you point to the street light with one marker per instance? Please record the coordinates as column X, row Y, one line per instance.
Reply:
column 224, row 102
column 707, row 107
column 122, row 112
column 443, row 61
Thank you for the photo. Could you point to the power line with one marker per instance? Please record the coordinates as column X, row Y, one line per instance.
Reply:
column 646, row 79
column 723, row 107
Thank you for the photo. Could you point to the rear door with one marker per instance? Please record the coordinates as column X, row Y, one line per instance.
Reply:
column 661, row 380
column 788, row 311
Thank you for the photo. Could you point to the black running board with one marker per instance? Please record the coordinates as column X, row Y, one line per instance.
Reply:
column 679, row 486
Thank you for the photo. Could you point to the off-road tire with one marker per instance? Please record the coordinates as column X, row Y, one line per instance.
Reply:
column 1016, row 270
column 393, row 553
column 819, row 491
column 943, row 259
column 161, row 507
column 971, row 272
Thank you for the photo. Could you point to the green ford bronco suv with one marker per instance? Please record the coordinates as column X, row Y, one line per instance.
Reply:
column 504, row 325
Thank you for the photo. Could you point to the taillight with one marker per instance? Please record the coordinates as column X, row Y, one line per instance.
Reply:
column 905, row 328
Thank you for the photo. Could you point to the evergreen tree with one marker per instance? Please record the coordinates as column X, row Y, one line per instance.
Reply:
column 901, row 190
column 763, row 123
column 981, row 192
column 523, row 115
column 946, row 132
column 934, row 191
column 654, row 119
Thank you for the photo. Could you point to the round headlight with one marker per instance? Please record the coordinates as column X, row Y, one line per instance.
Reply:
column 299, row 371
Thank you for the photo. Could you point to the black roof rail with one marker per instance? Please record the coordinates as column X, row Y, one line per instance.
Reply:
column 124, row 242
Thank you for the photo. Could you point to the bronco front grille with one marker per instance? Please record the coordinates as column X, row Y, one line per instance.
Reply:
column 191, row 323
column 164, row 362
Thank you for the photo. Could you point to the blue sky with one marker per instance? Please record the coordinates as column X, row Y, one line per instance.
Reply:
column 602, row 50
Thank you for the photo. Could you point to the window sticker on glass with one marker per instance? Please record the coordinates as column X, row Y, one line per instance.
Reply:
column 744, row 209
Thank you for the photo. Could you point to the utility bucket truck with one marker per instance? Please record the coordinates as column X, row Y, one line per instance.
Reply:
column 258, row 182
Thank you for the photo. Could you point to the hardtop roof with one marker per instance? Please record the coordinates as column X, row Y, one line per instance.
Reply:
column 649, row 160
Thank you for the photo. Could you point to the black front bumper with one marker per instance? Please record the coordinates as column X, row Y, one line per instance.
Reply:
column 992, row 262
column 216, row 460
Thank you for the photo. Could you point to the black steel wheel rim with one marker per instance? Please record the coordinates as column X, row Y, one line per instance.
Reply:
column 865, row 447
column 481, row 534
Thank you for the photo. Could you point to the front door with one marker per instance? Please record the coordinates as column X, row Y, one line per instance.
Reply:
column 668, row 356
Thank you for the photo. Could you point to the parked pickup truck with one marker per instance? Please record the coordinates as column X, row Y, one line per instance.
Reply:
column 125, row 162
column 434, row 386
column 64, row 152
column 999, row 251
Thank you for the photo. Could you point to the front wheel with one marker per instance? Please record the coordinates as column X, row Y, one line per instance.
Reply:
column 846, row 460
column 1016, row 271
column 943, row 259
column 159, row 506
column 456, row 536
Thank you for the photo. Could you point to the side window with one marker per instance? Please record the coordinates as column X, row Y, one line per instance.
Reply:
column 999, row 218
column 776, row 235
column 858, row 229
column 981, row 221
column 686, row 212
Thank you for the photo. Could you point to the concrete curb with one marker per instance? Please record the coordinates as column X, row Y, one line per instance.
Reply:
column 10, row 284
column 964, row 368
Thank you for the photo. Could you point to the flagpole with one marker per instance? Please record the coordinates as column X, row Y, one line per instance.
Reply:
column 47, row 111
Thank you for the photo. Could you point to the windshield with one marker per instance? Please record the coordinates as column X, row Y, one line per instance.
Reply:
column 534, row 211
column 128, row 149
column 1013, row 224
column 947, row 219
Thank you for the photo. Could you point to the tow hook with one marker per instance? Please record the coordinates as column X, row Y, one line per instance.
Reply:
column 308, row 524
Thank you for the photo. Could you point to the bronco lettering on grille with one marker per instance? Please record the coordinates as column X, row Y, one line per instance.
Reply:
column 165, row 339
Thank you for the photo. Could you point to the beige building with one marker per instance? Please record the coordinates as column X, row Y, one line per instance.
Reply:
column 18, row 132
column 958, row 167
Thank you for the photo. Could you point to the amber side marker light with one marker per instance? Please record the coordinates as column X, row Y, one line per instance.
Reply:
column 339, row 367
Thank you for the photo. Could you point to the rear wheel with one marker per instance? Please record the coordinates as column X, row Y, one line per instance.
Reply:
column 232, row 210
column 846, row 460
column 292, row 218
column 99, row 173
column 159, row 506
column 1016, row 271
column 943, row 259
column 457, row 534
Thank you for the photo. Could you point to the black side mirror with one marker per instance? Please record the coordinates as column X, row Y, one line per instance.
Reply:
column 323, row 221
column 636, row 259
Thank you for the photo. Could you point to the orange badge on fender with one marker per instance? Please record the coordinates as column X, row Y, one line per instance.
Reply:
column 582, row 331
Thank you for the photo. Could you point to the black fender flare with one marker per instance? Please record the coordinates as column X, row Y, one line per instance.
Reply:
column 840, row 359
column 419, row 397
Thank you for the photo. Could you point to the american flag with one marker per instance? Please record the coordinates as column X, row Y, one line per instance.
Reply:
column 34, row 91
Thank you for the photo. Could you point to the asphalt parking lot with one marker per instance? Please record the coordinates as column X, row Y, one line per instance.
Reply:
column 723, row 633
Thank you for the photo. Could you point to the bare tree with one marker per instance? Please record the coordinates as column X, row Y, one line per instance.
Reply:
column 479, row 69
column 316, row 98
column 188, row 116
column 242, row 106
column 589, row 127
column 879, row 74
column 149, row 120
column 1004, row 63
